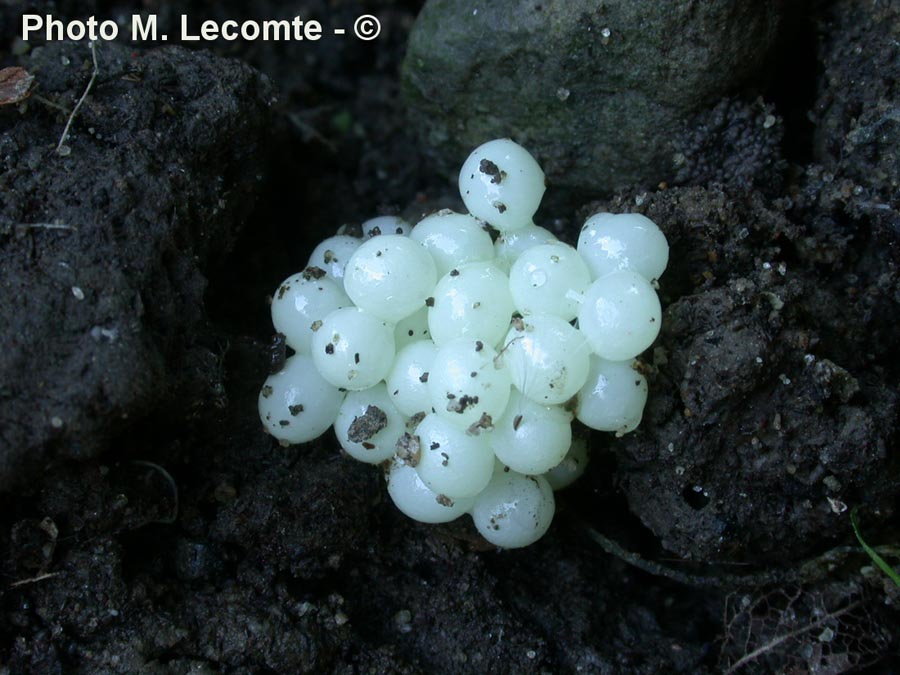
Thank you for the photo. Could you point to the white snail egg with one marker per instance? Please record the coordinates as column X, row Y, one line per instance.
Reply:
column 353, row 349
column 385, row 225
column 620, row 315
column 514, row 510
column 573, row 465
column 468, row 385
column 407, row 383
column 549, row 279
column 471, row 300
column 300, row 304
column 501, row 183
column 531, row 438
column 390, row 276
column 452, row 462
column 368, row 425
column 419, row 502
column 623, row 241
column 510, row 245
column 613, row 397
column 296, row 404
column 453, row 239
column 547, row 358
column 333, row 254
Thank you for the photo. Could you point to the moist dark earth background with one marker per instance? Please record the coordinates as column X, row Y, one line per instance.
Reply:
column 147, row 525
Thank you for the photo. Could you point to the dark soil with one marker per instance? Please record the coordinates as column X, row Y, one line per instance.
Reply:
column 148, row 525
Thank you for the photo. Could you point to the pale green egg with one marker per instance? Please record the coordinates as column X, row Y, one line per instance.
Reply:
column 368, row 425
column 407, row 383
column 547, row 358
column 514, row 510
column 549, row 279
column 468, row 384
column 333, row 254
column 471, row 300
column 620, row 315
column 419, row 502
column 352, row 349
column 613, row 397
column 502, row 184
column 531, row 438
column 390, row 276
column 452, row 462
column 301, row 302
column 297, row 404
column 453, row 239
column 623, row 241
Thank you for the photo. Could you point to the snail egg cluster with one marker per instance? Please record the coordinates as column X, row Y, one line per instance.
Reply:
column 458, row 361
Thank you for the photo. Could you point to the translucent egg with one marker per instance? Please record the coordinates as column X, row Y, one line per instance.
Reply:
column 613, row 396
column 390, row 276
column 353, row 349
column 471, row 300
column 547, row 358
column 453, row 239
column 301, row 302
column 502, row 184
column 549, row 279
column 368, row 425
column 620, row 315
column 531, row 438
column 333, row 254
column 407, row 383
column 419, row 502
column 468, row 384
column 514, row 510
column 624, row 241
column 412, row 328
column 452, row 462
column 385, row 225
column 510, row 245
column 572, row 467
column 296, row 404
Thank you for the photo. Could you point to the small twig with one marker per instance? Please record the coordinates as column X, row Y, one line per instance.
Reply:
column 876, row 206
column 649, row 566
column 46, row 226
column 807, row 572
column 311, row 132
column 7, row 226
column 50, row 104
column 87, row 90
column 717, row 563
column 34, row 580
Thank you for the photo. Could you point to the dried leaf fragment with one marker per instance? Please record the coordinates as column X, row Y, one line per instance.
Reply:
column 15, row 85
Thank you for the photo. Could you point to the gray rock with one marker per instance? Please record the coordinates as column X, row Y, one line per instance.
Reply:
column 596, row 90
